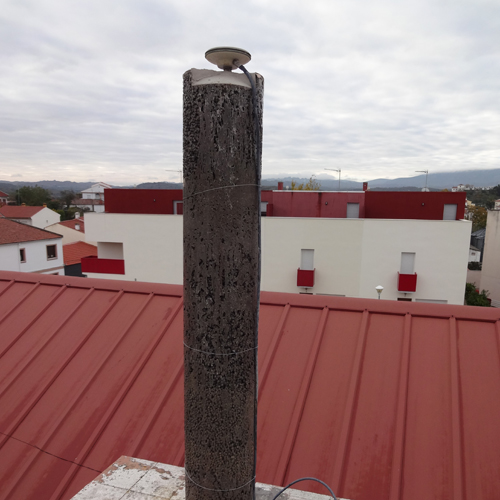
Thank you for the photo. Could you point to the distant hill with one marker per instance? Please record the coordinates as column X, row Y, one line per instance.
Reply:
column 437, row 181
column 159, row 185
column 55, row 187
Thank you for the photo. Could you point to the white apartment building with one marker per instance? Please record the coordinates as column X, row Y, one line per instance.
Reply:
column 419, row 260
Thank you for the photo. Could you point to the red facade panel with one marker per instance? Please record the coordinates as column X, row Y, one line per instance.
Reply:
column 407, row 282
column 380, row 399
column 103, row 266
column 313, row 203
column 305, row 278
column 412, row 204
column 141, row 201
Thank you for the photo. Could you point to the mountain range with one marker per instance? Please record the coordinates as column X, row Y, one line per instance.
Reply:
column 435, row 181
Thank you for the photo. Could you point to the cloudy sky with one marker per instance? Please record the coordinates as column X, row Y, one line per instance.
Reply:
column 92, row 89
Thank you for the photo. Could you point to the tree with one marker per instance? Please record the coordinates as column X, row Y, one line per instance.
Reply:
column 474, row 298
column 33, row 196
column 478, row 216
column 67, row 197
column 311, row 185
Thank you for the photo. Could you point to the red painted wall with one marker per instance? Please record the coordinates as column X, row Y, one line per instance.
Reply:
column 141, row 201
column 411, row 204
column 313, row 203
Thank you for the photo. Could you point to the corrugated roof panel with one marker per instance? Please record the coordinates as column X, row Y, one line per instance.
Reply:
column 377, row 398
column 478, row 359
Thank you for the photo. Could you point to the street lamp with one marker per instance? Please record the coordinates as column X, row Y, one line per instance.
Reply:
column 170, row 170
column 426, row 172
column 335, row 170
column 379, row 289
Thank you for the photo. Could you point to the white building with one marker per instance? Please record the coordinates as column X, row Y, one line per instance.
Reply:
column 490, row 274
column 71, row 230
column 345, row 256
column 92, row 198
column 29, row 249
column 33, row 216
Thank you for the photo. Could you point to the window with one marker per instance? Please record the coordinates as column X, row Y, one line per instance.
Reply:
column 51, row 252
column 307, row 260
column 22, row 254
column 404, row 299
column 353, row 211
column 407, row 263
column 450, row 212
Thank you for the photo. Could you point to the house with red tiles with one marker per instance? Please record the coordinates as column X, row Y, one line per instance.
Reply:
column 71, row 230
column 4, row 198
column 40, row 217
column 29, row 249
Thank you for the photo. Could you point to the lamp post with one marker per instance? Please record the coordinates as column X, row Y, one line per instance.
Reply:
column 426, row 172
column 379, row 289
column 179, row 171
column 335, row 170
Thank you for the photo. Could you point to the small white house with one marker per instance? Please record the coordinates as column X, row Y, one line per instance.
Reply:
column 40, row 217
column 93, row 198
column 71, row 230
column 29, row 249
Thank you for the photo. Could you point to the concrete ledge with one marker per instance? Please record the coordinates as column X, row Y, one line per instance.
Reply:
column 136, row 479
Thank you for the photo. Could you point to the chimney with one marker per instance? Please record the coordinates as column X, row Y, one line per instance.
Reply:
column 222, row 153
column 365, row 186
column 280, row 186
column 45, row 205
column 77, row 215
column 23, row 204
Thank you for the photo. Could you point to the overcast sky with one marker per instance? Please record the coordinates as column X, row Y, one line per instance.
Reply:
column 92, row 90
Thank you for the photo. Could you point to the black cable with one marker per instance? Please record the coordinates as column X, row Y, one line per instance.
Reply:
column 48, row 453
column 306, row 479
column 258, row 165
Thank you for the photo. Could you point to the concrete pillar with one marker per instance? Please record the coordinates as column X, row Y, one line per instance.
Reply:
column 221, row 282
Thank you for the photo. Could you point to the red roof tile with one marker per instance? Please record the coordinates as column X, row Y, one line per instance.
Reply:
column 19, row 212
column 380, row 399
column 72, row 224
column 17, row 232
column 3, row 195
column 74, row 252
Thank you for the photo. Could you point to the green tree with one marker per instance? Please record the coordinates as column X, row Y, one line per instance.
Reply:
column 311, row 185
column 474, row 298
column 478, row 216
column 33, row 196
column 67, row 197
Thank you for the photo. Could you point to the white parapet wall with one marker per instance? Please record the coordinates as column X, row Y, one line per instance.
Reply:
column 351, row 256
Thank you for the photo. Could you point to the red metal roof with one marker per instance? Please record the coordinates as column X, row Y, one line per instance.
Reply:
column 19, row 212
column 72, row 224
column 17, row 232
column 74, row 252
column 380, row 399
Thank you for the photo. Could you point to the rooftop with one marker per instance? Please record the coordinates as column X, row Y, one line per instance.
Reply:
column 72, row 224
column 17, row 232
column 74, row 252
column 19, row 211
column 371, row 396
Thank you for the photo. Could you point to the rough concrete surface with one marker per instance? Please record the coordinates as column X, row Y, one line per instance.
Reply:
column 221, row 285
column 136, row 479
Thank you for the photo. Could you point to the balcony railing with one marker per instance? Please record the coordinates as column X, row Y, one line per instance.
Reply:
column 407, row 282
column 103, row 266
column 305, row 278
